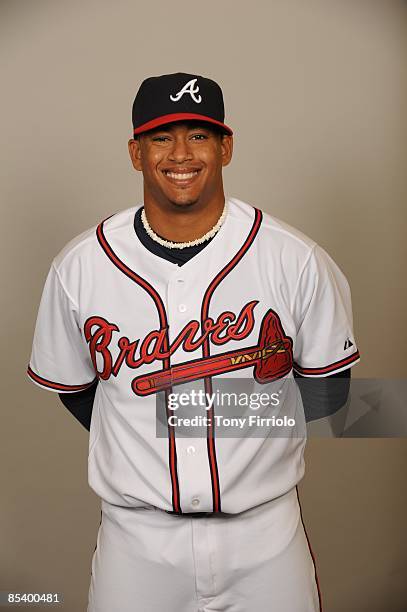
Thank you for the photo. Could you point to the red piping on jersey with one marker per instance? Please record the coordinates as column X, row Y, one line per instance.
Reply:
column 166, row 362
column 311, row 553
column 328, row 368
column 54, row 385
column 206, row 352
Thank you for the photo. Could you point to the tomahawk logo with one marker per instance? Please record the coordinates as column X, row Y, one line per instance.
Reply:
column 191, row 90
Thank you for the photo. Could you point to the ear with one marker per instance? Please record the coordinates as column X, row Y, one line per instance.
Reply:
column 135, row 153
column 227, row 149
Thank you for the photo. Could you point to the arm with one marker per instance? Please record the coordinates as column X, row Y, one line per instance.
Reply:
column 322, row 397
column 60, row 359
column 325, row 346
column 325, row 402
column 80, row 404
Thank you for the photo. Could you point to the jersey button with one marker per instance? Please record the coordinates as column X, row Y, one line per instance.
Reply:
column 195, row 502
column 182, row 308
column 191, row 450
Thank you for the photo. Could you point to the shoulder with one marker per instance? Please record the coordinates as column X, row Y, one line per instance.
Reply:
column 86, row 245
column 273, row 234
column 284, row 248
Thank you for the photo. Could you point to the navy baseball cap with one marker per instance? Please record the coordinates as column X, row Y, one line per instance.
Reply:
column 178, row 97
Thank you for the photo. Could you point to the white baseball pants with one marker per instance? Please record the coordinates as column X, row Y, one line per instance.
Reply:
column 147, row 560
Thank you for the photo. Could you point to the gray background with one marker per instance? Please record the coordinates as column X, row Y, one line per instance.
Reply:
column 314, row 91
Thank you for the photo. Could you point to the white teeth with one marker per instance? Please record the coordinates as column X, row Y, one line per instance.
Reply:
column 176, row 175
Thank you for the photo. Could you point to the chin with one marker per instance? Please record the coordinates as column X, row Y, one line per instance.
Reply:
column 184, row 202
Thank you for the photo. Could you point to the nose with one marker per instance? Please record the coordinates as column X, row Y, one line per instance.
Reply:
column 180, row 150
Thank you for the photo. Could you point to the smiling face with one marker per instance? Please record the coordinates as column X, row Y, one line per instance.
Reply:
column 182, row 164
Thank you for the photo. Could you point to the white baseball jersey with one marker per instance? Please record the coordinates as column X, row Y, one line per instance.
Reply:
column 260, row 300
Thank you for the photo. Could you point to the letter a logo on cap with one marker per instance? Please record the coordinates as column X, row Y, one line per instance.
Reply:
column 188, row 88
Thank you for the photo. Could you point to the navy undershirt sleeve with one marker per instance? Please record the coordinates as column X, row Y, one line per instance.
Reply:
column 322, row 397
column 80, row 404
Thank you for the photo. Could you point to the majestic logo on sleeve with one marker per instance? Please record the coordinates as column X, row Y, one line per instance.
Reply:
column 188, row 89
column 271, row 356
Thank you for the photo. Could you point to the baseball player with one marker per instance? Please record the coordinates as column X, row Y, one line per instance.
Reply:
column 191, row 289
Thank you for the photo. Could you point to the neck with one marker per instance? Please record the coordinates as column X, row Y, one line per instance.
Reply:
column 178, row 223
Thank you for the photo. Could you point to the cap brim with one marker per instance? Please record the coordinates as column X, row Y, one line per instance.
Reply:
column 154, row 123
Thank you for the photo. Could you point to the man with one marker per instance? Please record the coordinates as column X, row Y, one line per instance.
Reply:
column 191, row 290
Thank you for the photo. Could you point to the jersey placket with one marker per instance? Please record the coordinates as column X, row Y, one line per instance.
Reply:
column 192, row 456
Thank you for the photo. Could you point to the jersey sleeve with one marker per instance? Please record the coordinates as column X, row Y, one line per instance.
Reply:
column 60, row 360
column 325, row 343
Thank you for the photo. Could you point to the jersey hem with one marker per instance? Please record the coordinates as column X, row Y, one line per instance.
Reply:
column 336, row 366
column 55, row 386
